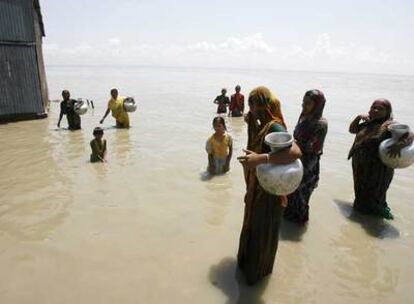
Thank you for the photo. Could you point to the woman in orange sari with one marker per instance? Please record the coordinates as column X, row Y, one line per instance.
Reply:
column 263, row 211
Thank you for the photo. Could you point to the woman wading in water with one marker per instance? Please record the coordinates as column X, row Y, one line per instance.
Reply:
column 263, row 211
column 371, row 177
column 116, row 105
column 310, row 133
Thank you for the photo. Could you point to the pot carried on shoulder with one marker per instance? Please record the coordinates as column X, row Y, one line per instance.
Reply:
column 130, row 104
column 80, row 106
column 279, row 179
column 406, row 158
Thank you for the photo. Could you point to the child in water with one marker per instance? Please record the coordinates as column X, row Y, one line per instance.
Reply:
column 98, row 146
column 219, row 148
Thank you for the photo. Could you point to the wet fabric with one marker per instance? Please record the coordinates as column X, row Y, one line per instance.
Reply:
column 219, row 164
column 309, row 134
column 118, row 112
column 263, row 211
column 67, row 108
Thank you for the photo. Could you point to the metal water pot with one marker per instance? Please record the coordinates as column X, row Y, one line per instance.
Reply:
column 407, row 154
column 80, row 106
column 130, row 104
column 279, row 179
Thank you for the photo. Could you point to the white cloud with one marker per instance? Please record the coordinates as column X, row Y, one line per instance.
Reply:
column 251, row 51
column 114, row 42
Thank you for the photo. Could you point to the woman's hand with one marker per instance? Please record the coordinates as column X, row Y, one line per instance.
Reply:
column 404, row 141
column 212, row 169
column 226, row 167
column 363, row 117
column 252, row 159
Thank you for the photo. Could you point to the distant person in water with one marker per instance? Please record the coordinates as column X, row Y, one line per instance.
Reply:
column 98, row 146
column 309, row 134
column 222, row 101
column 236, row 108
column 219, row 148
column 116, row 105
column 67, row 108
column 371, row 177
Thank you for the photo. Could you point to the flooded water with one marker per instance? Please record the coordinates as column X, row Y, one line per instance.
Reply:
column 150, row 227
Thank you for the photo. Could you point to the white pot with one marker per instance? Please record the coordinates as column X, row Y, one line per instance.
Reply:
column 129, row 104
column 280, row 179
column 407, row 154
column 80, row 106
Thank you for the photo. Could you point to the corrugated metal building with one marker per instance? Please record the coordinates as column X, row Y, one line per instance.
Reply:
column 23, row 86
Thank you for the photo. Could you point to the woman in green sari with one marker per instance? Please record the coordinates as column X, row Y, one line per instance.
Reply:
column 263, row 211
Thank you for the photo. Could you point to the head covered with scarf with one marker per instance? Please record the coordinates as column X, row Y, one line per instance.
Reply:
column 319, row 100
column 372, row 132
column 311, row 129
column 267, row 112
column 387, row 105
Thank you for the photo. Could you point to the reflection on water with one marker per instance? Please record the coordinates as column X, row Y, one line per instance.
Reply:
column 218, row 195
column 358, row 269
column 34, row 193
column 149, row 226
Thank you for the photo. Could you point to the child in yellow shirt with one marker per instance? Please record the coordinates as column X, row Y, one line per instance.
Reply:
column 219, row 148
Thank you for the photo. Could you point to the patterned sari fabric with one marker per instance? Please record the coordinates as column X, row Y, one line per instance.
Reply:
column 263, row 211
column 310, row 133
column 371, row 177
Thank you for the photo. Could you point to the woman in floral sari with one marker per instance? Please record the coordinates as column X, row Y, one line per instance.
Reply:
column 263, row 211
column 310, row 133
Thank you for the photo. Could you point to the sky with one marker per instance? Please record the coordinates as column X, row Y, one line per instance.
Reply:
column 338, row 36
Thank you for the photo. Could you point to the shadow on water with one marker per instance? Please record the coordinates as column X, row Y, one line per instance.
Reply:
column 374, row 226
column 227, row 277
column 290, row 231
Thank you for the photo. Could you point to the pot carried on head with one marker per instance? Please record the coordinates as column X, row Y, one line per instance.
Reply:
column 407, row 154
column 280, row 179
column 80, row 106
column 129, row 104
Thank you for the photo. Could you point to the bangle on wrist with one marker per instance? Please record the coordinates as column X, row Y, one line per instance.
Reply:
column 267, row 158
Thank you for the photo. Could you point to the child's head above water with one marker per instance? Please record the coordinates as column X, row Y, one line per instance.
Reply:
column 219, row 124
column 98, row 132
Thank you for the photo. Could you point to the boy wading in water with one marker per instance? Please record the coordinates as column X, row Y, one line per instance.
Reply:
column 67, row 108
column 98, row 146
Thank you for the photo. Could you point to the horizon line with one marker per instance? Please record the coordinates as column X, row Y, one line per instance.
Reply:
column 225, row 68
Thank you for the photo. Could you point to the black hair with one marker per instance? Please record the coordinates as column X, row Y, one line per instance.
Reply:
column 98, row 131
column 219, row 119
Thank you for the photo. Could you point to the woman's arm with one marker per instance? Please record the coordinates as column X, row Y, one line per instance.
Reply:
column 211, row 166
column 354, row 126
column 60, row 116
column 227, row 164
column 252, row 159
column 106, row 114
